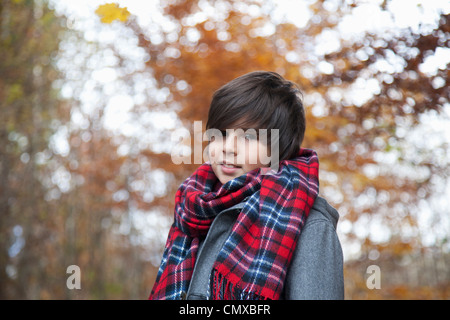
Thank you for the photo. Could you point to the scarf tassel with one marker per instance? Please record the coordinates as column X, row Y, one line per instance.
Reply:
column 222, row 289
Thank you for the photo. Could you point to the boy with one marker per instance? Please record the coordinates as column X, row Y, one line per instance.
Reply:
column 241, row 232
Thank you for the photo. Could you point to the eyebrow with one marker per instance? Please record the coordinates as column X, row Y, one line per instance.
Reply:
column 244, row 129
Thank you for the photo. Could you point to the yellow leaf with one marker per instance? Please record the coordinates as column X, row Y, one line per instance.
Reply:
column 111, row 11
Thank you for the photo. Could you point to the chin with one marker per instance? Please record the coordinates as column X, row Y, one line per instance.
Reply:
column 224, row 180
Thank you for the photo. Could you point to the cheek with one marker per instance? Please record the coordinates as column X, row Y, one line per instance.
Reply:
column 252, row 154
column 257, row 155
column 214, row 151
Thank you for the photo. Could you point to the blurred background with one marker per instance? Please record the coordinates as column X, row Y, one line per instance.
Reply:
column 91, row 93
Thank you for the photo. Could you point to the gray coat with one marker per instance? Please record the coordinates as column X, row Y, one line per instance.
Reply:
column 316, row 270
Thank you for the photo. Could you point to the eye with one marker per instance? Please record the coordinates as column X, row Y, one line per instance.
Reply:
column 250, row 136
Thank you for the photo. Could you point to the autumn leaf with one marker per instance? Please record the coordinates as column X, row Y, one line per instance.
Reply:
column 111, row 11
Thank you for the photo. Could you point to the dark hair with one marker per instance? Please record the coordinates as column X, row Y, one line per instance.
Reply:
column 261, row 100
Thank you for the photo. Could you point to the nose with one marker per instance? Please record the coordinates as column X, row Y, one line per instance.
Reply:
column 230, row 144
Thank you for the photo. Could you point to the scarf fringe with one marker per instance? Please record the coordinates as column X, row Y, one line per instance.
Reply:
column 222, row 289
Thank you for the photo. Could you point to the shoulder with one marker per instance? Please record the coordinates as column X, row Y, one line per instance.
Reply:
column 322, row 213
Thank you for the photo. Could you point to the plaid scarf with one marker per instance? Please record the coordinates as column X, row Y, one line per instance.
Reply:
column 253, row 261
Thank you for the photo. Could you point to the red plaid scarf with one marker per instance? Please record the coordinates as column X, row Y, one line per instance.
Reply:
column 253, row 261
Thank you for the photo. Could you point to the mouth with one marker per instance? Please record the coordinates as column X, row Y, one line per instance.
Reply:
column 229, row 169
column 229, row 165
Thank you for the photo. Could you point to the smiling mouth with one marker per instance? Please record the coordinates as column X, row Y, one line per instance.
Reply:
column 231, row 166
column 229, row 169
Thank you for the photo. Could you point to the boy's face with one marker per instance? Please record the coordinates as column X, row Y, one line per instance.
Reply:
column 236, row 153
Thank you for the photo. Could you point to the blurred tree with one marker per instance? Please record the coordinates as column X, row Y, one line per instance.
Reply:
column 59, row 205
column 29, row 114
